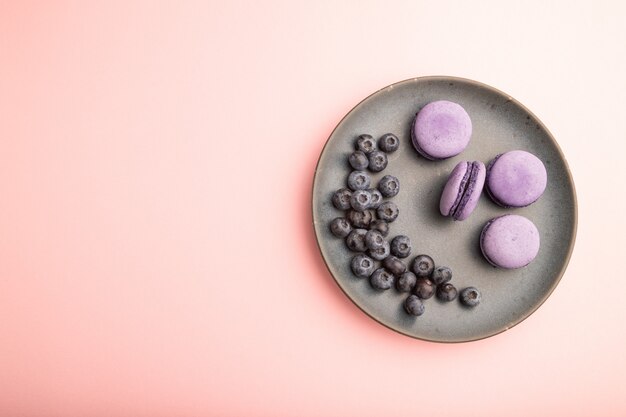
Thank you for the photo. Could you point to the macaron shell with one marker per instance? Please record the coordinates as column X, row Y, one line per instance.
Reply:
column 516, row 179
column 415, row 142
column 473, row 191
column 510, row 241
column 441, row 130
column 453, row 190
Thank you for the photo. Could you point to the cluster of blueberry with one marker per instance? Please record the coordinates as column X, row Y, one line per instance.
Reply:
column 424, row 280
column 365, row 229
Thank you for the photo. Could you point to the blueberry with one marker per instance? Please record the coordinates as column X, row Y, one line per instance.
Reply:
column 341, row 199
column 381, row 226
column 401, row 246
column 388, row 211
column 362, row 266
column 358, row 160
column 470, row 296
column 424, row 288
column 366, row 144
column 359, row 180
column 414, row 306
column 380, row 253
column 340, row 227
column 423, row 265
column 381, row 279
column 406, row 282
column 377, row 161
column 441, row 275
column 394, row 265
column 361, row 219
column 377, row 198
column 356, row 240
column 389, row 186
column 446, row 292
column 374, row 240
column 360, row 200
column 389, row 143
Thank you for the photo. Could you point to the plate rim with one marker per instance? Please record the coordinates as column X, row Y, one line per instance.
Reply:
column 447, row 78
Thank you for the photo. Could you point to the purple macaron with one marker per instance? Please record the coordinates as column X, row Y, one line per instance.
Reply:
column 441, row 129
column 462, row 191
column 509, row 241
column 516, row 179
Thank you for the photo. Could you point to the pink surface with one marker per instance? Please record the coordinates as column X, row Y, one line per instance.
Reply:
column 137, row 137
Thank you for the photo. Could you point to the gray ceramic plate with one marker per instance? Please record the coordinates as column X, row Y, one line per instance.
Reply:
column 500, row 124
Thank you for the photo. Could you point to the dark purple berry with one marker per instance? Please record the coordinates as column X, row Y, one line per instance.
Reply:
column 446, row 292
column 356, row 240
column 380, row 253
column 377, row 161
column 358, row 160
column 362, row 265
column 381, row 279
column 441, row 275
column 374, row 239
column 381, row 226
column 377, row 198
column 394, row 265
column 424, row 288
column 341, row 199
column 360, row 200
column 361, row 219
column 423, row 265
column 366, row 144
column 414, row 306
column 340, row 227
column 470, row 296
column 406, row 282
column 401, row 246
column 389, row 186
column 359, row 180
column 389, row 143
column 388, row 211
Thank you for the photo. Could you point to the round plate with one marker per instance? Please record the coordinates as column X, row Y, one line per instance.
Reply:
column 500, row 124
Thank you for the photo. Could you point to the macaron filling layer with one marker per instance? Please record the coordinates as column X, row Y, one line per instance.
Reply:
column 467, row 187
column 462, row 191
column 460, row 188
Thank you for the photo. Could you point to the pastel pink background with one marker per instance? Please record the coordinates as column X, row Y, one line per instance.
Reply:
column 156, row 250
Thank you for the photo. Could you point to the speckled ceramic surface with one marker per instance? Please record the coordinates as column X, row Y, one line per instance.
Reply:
column 500, row 124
